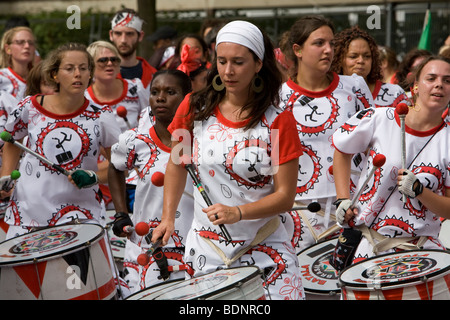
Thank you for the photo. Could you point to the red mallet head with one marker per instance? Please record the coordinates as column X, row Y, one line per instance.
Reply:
column 143, row 259
column 142, row 228
column 379, row 160
column 122, row 111
column 402, row 109
column 158, row 179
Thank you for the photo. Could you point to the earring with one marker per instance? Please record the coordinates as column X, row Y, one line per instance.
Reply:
column 217, row 83
column 257, row 84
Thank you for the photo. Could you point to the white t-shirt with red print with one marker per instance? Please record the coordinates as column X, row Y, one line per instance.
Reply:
column 236, row 166
column 43, row 196
column 134, row 97
column 378, row 131
column 389, row 95
column 318, row 115
column 12, row 83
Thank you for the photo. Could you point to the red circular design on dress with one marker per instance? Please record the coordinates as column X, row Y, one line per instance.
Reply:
column 61, row 132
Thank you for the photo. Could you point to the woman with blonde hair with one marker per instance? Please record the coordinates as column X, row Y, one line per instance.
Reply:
column 18, row 47
column 109, row 88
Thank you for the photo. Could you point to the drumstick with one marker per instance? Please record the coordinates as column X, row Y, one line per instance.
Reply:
column 402, row 110
column 141, row 229
column 313, row 207
column 144, row 258
column 188, row 166
column 15, row 174
column 378, row 161
column 7, row 137
column 122, row 112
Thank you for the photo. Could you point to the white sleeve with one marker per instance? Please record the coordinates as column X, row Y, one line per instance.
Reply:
column 122, row 152
column 356, row 134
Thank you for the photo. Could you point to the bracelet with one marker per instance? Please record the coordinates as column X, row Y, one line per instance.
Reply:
column 240, row 213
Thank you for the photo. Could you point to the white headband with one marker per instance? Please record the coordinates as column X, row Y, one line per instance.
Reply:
column 125, row 19
column 243, row 33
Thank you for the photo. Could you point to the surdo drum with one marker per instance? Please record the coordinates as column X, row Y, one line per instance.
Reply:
column 57, row 263
column 241, row 283
column 319, row 278
column 408, row 275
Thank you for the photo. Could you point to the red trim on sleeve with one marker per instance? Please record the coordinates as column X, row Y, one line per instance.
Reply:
column 287, row 142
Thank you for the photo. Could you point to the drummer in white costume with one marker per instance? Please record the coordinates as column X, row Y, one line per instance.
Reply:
column 148, row 151
column 18, row 49
column 380, row 212
column 109, row 88
column 244, row 150
column 320, row 101
column 68, row 130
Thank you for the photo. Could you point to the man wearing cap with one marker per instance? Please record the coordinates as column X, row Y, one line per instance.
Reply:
column 163, row 44
column 126, row 33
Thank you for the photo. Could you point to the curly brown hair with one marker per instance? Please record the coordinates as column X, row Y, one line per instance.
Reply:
column 342, row 42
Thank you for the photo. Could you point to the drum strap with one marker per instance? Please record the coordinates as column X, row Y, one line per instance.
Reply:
column 161, row 261
column 322, row 213
column 381, row 243
column 266, row 230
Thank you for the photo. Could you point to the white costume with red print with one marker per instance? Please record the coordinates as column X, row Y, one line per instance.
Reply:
column 236, row 167
column 134, row 98
column 379, row 131
column 12, row 83
column 43, row 196
column 318, row 115
column 388, row 95
column 144, row 151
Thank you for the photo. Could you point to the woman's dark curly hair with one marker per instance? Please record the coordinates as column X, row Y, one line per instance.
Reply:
column 405, row 66
column 341, row 44
column 206, row 100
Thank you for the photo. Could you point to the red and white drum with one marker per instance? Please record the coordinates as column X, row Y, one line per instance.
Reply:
column 319, row 278
column 242, row 283
column 444, row 234
column 3, row 227
column 57, row 263
column 408, row 275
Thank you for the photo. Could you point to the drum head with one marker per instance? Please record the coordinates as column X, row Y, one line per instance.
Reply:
column 444, row 234
column 48, row 242
column 396, row 269
column 318, row 275
column 202, row 287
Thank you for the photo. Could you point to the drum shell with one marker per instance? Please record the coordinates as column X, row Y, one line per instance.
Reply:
column 432, row 286
column 319, row 278
column 54, row 277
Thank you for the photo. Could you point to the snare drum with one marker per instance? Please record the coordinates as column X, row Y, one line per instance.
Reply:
column 408, row 275
column 242, row 283
column 57, row 263
column 319, row 278
column 444, row 234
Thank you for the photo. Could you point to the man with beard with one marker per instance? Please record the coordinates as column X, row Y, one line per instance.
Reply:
column 126, row 33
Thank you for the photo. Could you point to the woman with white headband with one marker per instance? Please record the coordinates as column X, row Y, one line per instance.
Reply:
column 243, row 150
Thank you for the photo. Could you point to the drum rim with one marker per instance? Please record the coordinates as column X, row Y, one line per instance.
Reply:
column 205, row 296
column 45, row 256
column 168, row 284
column 362, row 286
column 321, row 242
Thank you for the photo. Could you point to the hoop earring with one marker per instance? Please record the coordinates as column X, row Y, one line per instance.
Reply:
column 217, row 83
column 257, row 84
